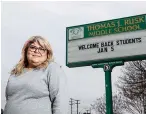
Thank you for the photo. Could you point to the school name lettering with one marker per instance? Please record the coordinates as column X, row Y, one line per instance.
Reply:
column 109, row 45
column 116, row 26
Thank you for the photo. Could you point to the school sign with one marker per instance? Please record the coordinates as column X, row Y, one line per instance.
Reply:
column 119, row 39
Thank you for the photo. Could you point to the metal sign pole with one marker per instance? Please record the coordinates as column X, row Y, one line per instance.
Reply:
column 108, row 69
column 108, row 87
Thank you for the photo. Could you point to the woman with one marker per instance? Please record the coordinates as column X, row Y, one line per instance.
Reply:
column 37, row 85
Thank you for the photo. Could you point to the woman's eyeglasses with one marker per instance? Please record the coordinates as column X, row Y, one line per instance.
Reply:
column 40, row 49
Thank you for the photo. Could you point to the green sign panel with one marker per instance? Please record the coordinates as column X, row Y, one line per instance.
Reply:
column 122, row 39
column 127, row 24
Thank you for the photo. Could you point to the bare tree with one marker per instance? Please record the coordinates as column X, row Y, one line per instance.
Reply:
column 132, row 84
column 132, row 91
column 118, row 105
column 99, row 106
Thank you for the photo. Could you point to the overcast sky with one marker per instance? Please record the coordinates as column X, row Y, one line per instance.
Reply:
column 20, row 20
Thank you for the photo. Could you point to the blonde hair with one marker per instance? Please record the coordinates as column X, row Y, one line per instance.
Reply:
column 23, row 63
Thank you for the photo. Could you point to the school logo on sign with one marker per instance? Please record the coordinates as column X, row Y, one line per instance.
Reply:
column 76, row 33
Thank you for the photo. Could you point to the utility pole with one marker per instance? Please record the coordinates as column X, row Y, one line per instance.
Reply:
column 77, row 105
column 71, row 103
